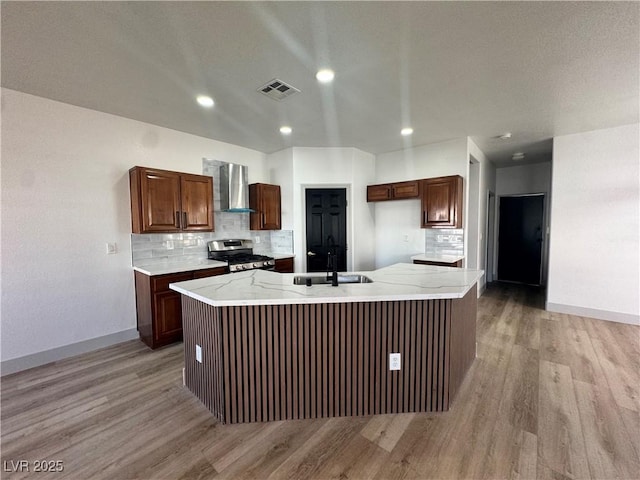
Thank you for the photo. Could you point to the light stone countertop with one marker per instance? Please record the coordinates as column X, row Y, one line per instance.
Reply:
column 402, row 281
column 176, row 266
column 438, row 258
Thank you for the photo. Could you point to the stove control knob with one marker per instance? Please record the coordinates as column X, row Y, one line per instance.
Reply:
column 256, row 265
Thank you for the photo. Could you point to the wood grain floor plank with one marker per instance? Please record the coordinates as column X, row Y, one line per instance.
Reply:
column 360, row 459
column 386, row 430
column 631, row 422
column 268, row 455
column 610, row 450
column 571, row 347
column 307, row 460
column 519, row 402
column 560, row 438
column 622, row 376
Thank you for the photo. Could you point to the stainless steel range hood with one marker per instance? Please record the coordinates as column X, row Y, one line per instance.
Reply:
column 234, row 188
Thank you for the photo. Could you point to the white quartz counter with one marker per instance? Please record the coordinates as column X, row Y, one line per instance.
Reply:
column 403, row 281
column 438, row 258
column 177, row 267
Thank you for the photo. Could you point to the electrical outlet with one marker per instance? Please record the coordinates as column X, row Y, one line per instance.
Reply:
column 198, row 353
column 112, row 248
column 405, row 238
column 256, row 239
column 394, row 361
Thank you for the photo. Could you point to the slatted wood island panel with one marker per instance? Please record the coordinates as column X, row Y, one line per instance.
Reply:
column 294, row 361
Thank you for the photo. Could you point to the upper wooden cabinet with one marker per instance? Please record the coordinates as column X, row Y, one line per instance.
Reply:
column 442, row 202
column 264, row 200
column 393, row 191
column 164, row 202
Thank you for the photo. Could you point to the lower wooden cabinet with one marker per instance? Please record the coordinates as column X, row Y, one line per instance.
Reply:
column 284, row 265
column 159, row 309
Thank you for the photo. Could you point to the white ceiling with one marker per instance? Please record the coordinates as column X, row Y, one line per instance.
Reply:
column 448, row 69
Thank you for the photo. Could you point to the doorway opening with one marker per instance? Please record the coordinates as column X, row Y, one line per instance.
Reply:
column 326, row 227
column 520, row 238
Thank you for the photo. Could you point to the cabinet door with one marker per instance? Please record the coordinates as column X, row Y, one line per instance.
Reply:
column 265, row 200
column 197, row 203
column 271, row 207
column 284, row 265
column 168, row 318
column 160, row 198
column 378, row 193
column 442, row 202
column 405, row 190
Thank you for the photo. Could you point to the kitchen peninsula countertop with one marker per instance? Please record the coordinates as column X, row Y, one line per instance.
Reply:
column 163, row 268
column 177, row 266
column 402, row 281
column 438, row 258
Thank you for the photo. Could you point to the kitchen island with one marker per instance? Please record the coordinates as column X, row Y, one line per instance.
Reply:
column 259, row 348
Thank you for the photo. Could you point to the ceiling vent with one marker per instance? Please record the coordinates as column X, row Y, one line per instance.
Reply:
column 277, row 89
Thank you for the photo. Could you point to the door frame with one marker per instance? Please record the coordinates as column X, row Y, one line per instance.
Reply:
column 491, row 241
column 543, row 245
column 303, row 233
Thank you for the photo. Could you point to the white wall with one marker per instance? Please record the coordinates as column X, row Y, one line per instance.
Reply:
column 340, row 168
column 65, row 193
column 521, row 179
column 486, row 183
column 594, row 264
column 400, row 219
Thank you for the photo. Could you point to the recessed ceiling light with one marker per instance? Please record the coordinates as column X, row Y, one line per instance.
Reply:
column 517, row 156
column 325, row 75
column 505, row 136
column 205, row 101
column 406, row 131
column 285, row 130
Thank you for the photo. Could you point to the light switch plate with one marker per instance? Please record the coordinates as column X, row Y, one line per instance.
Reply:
column 112, row 248
column 198, row 353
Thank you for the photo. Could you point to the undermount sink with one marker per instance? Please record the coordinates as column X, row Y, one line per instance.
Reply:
column 323, row 280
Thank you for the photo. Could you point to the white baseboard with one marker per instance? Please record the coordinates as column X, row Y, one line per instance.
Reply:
column 42, row 358
column 594, row 313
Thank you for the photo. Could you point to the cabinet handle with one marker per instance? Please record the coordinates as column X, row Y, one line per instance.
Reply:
column 264, row 219
column 177, row 219
column 184, row 220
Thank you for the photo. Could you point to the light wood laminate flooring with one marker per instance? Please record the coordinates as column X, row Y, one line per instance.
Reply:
column 549, row 396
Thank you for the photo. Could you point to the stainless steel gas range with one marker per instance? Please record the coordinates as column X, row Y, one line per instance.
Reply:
column 238, row 253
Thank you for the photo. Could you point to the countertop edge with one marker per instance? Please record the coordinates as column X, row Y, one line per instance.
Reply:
column 438, row 258
column 162, row 269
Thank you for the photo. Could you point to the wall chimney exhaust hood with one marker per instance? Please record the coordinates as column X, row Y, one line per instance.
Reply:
column 234, row 188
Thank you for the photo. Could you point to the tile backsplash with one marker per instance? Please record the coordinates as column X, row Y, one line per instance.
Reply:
column 153, row 248
column 150, row 248
column 444, row 241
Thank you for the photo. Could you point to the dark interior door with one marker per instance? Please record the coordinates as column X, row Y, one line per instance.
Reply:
column 520, row 239
column 326, row 218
